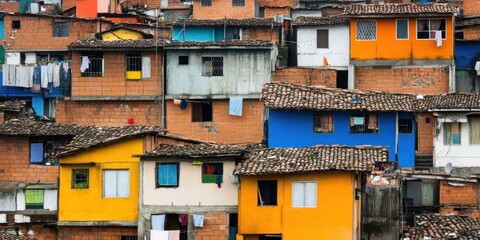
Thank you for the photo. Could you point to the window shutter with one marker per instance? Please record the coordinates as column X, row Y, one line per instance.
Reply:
column 298, row 194
column 36, row 152
column 310, row 194
column 123, row 183
column 322, row 38
column 167, row 175
column 146, row 67
column 109, row 184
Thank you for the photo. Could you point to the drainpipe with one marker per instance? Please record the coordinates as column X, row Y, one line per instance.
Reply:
column 164, row 85
column 396, row 139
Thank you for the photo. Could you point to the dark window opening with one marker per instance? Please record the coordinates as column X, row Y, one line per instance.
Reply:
column 182, row 60
column 94, row 61
column 238, row 3
column 16, row 24
column 212, row 66
column 212, row 173
column 405, row 126
column 128, row 238
column 270, row 237
column 133, row 61
column 342, row 79
column 201, row 112
column 232, row 33
column 426, row 28
column 323, row 122
column 267, row 193
column 206, row 3
column 232, row 225
column 322, row 38
column 364, row 123
column 79, row 178
column 173, row 222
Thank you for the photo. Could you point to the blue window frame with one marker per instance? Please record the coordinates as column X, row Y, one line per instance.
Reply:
column 167, row 175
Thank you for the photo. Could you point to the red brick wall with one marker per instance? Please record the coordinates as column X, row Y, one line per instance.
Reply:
column 113, row 82
column 471, row 33
column 9, row 6
column 258, row 33
column 66, row 4
column 40, row 232
column 215, row 227
column 425, row 133
column 471, row 7
column 94, row 233
column 36, row 33
column 223, row 9
column 224, row 128
column 15, row 162
column 453, row 196
column 271, row 12
column 278, row 3
column 108, row 113
column 307, row 76
column 403, row 80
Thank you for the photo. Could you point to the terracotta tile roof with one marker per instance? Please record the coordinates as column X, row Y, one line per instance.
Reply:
column 450, row 101
column 288, row 96
column 7, row 236
column 385, row 9
column 445, row 227
column 117, row 27
column 333, row 1
column 194, row 151
column 226, row 43
column 320, row 21
column 12, row 105
column 96, row 43
column 310, row 159
column 467, row 22
column 30, row 127
column 253, row 22
column 99, row 136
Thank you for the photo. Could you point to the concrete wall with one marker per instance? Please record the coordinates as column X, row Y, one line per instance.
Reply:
column 49, row 200
column 191, row 190
column 337, row 53
column 186, row 81
column 95, row 232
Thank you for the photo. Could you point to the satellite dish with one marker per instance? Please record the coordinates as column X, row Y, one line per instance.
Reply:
column 448, row 167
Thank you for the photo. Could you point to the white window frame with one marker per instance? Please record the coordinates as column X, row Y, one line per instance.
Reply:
column 116, row 183
column 356, row 29
column 408, row 29
column 429, row 39
column 294, row 205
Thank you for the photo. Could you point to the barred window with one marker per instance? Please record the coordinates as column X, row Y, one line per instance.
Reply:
column 133, row 61
column 364, row 123
column 405, row 126
column 212, row 66
column 206, row 3
column 79, row 178
column 366, row 29
column 92, row 65
column 323, row 122
column 238, row 3
column 60, row 29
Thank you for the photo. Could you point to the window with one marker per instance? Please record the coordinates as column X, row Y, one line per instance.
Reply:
column 133, row 65
column 206, row 3
column 238, row 3
column 304, row 194
column 201, row 112
column 182, row 60
column 212, row 66
column 79, row 178
column 402, row 29
column 167, row 175
column 323, row 122
column 426, row 28
column 405, row 126
column 232, row 33
column 212, row 173
column 16, row 24
column 91, row 65
column 364, row 123
column 34, row 199
column 474, row 130
column 128, row 238
column 60, row 29
column 322, row 38
column 116, row 183
column 43, row 151
column 267, row 193
column 366, row 29
column 451, row 134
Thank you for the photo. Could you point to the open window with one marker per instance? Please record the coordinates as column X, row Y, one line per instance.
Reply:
column 267, row 193
column 212, row 173
column 364, row 123
column 451, row 133
column 171, row 222
column 43, row 151
column 212, row 66
column 323, row 122
column 202, row 112
column 167, row 175
column 405, row 125
column 91, row 64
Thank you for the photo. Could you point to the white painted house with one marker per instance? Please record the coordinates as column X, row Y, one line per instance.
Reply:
column 323, row 42
column 181, row 184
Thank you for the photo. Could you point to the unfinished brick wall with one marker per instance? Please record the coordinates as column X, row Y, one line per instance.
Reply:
column 66, row 4
column 278, row 3
column 94, row 233
column 224, row 128
column 113, row 82
column 307, row 76
column 271, row 12
column 9, row 6
column 223, row 9
column 39, row 231
column 425, row 133
column 108, row 113
column 403, row 80
column 471, row 7
column 471, row 33
column 35, row 32
column 215, row 226
column 259, row 33
column 452, row 197
column 15, row 162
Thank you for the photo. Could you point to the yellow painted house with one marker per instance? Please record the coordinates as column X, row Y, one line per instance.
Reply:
column 303, row 193
column 123, row 33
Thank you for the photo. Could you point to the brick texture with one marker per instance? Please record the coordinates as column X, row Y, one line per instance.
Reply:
column 113, row 83
column 271, row 12
column 278, row 3
column 471, row 7
column 94, row 233
column 425, row 133
column 36, row 33
column 39, row 232
column 258, row 33
column 9, row 6
column 215, row 227
column 66, row 4
column 15, row 162
column 403, row 80
column 307, row 76
column 451, row 197
column 108, row 113
column 223, row 9
column 471, row 33
column 224, row 128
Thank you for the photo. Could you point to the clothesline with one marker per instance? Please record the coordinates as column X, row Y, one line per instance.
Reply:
column 38, row 76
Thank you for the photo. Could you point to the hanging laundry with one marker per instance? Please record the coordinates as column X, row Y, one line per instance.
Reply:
column 56, row 75
column 197, row 220
column 183, row 219
column 477, row 67
column 30, row 58
column 235, row 106
column 158, row 221
column 24, row 76
column 183, row 104
column 438, row 38
column 13, row 58
column 158, row 235
column 174, row 235
column 44, row 76
column 65, row 67
column 6, row 79
column 146, row 67
column 85, row 64
column 50, row 67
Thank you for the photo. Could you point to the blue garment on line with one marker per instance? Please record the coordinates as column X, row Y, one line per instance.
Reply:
column 235, row 106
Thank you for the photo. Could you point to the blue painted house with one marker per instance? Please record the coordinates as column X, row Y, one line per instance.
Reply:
column 300, row 116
